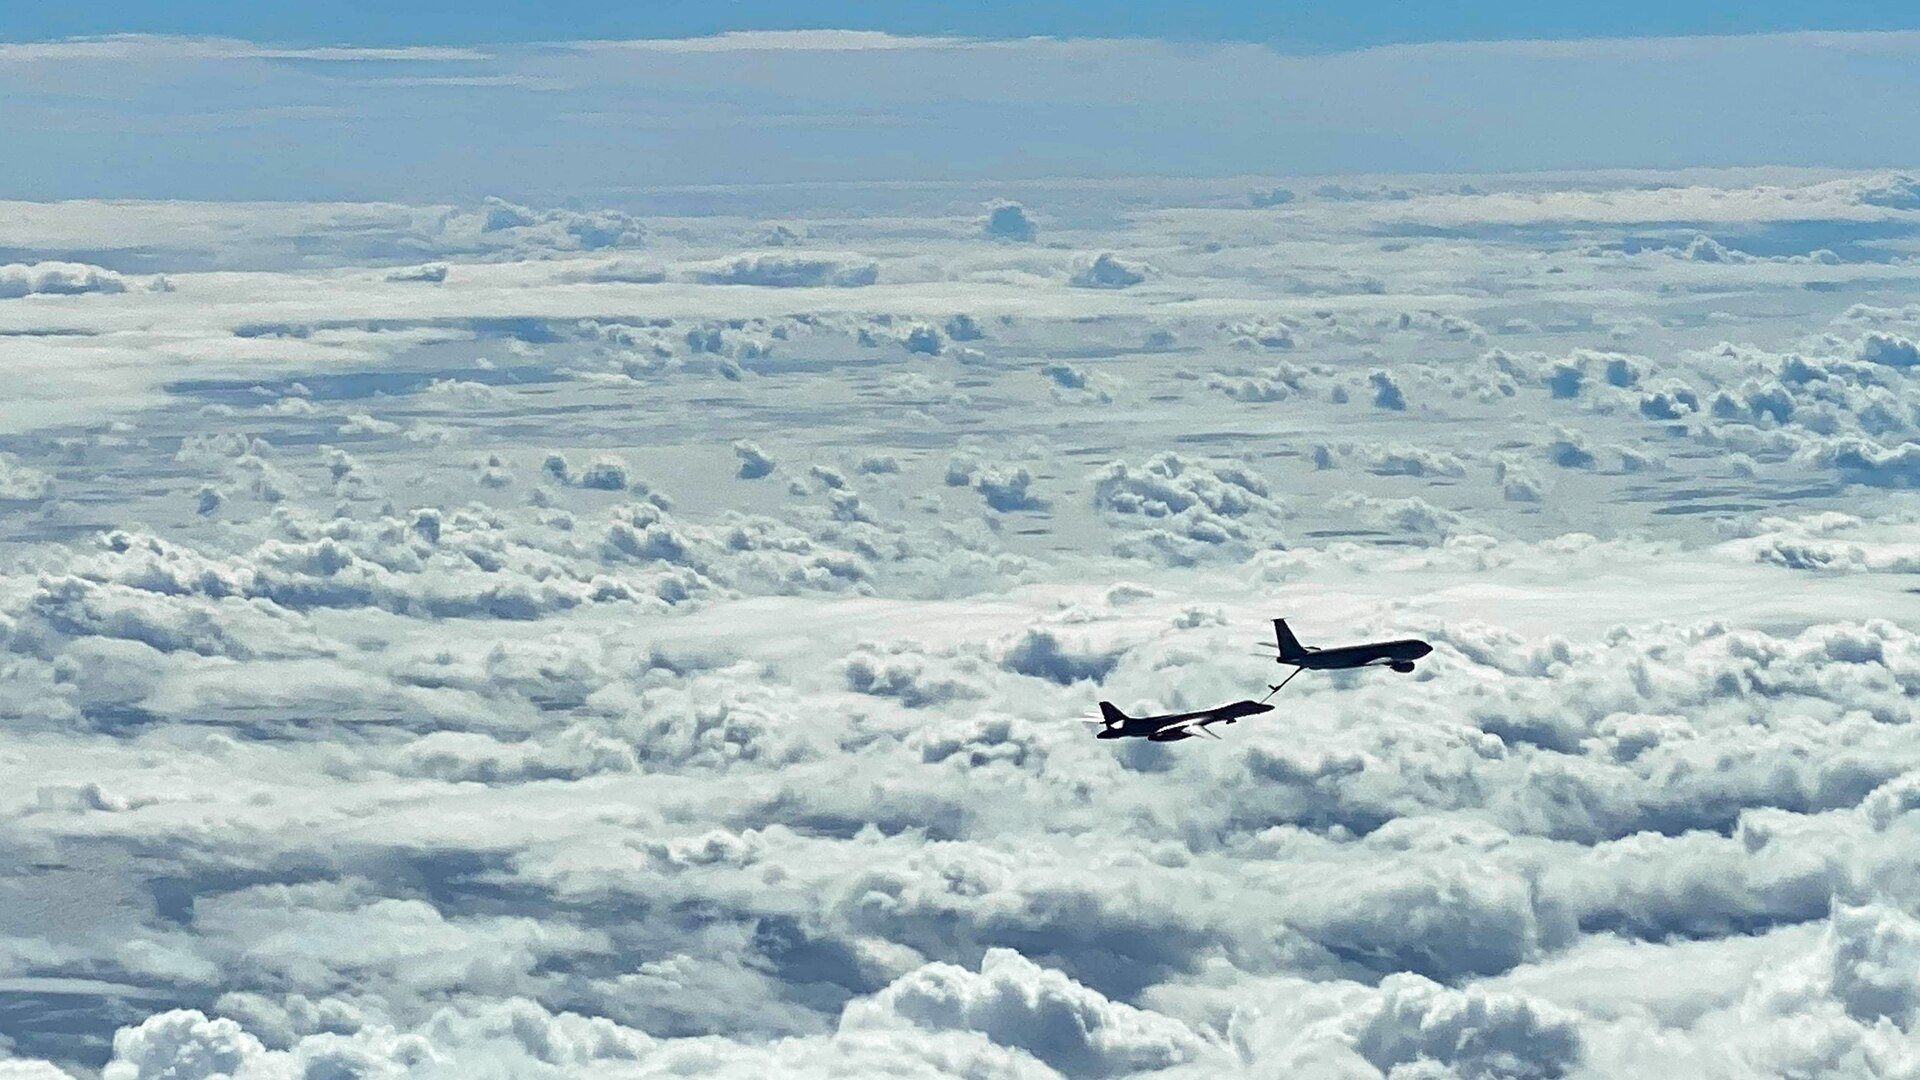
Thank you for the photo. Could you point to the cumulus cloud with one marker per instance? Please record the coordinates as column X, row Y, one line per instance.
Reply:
column 1008, row 488
column 21, row 483
column 1065, row 376
column 428, row 273
column 916, row 679
column 1072, row 383
column 1414, row 516
column 1187, row 506
column 1252, row 388
column 1889, row 349
column 1107, row 271
column 618, row 271
column 1017, row 1003
column 1866, row 461
column 559, row 228
column 1008, row 221
column 788, row 272
column 754, row 463
column 1894, row 191
column 1400, row 460
column 1569, row 449
column 57, row 279
column 184, row 1044
column 964, row 327
column 1040, row 654
column 1475, row 1035
column 1706, row 249
column 603, row 472
column 1673, row 400
column 1518, row 483
column 924, row 340
column 1386, row 392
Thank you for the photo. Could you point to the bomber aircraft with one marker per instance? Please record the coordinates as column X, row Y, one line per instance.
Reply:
column 1398, row 654
column 1172, row 727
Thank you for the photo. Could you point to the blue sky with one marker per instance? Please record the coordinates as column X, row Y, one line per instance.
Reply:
column 1300, row 27
column 176, row 118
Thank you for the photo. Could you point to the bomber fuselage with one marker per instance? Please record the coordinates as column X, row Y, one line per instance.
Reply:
column 1171, row 727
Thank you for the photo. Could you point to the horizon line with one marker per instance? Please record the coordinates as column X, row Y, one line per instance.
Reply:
column 829, row 39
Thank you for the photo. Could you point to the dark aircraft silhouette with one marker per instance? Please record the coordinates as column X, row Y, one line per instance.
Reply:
column 1174, row 726
column 1398, row 655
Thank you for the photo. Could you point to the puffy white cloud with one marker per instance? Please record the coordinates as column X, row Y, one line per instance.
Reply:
column 575, row 229
column 1895, row 191
column 1569, row 449
column 1254, row 388
column 1866, row 460
column 1008, row 488
column 519, row 1038
column 1184, row 507
column 20, row 483
column 1472, row 1034
column 1107, row 271
column 1518, row 483
column 604, row 474
column 916, row 679
column 1386, row 392
column 427, row 273
column 1412, row 515
column 186, row 1044
column 57, row 279
column 1396, row 460
column 1706, row 249
column 1671, row 400
column 1876, row 955
column 924, row 340
column 787, row 272
column 964, row 327
column 754, row 463
column 1017, row 1003
column 1889, row 349
column 1008, row 221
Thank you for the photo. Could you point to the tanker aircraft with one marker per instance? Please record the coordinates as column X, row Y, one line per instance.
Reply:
column 1398, row 654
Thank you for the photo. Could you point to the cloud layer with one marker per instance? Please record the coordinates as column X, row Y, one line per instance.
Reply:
column 510, row 639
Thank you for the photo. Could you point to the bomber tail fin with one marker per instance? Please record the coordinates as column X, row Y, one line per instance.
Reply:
column 1112, row 715
column 1290, row 648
